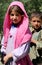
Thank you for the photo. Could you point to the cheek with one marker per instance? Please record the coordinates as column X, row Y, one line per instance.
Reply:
column 39, row 24
column 11, row 17
column 33, row 23
column 19, row 18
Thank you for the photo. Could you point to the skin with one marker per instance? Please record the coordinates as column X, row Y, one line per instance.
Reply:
column 7, row 57
column 16, row 18
column 36, row 22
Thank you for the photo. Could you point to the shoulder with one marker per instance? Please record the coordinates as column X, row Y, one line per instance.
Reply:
column 41, row 33
column 31, row 28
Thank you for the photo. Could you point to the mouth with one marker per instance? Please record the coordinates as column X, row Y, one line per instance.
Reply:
column 14, row 20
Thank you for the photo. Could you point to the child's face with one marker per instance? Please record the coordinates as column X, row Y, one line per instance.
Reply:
column 15, row 17
column 36, row 22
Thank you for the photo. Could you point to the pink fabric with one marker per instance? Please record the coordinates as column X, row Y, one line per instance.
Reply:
column 25, row 61
column 23, row 32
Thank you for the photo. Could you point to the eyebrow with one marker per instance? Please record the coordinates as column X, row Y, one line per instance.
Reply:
column 36, row 20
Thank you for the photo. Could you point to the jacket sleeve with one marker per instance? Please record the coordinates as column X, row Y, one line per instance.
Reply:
column 21, row 51
column 2, row 46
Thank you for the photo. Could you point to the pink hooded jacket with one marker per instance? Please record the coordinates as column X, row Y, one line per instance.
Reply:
column 23, row 32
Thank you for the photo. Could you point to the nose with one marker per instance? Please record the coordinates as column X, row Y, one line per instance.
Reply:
column 36, row 23
column 14, row 17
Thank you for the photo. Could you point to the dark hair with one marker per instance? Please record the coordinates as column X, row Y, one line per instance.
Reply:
column 36, row 14
column 17, row 9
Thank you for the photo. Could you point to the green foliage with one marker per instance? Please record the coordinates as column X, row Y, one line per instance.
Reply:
column 3, row 7
column 33, row 5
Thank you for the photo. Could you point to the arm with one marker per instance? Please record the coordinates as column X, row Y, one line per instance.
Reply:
column 2, row 50
column 38, row 43
column 33, row 41
column 2, row 46
column 19, row 52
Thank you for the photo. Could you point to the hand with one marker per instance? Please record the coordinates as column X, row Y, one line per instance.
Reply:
column 7, row 57
column 33, row 41
column 2, row 56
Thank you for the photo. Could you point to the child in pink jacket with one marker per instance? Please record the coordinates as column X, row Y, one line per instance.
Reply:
column 16, row 35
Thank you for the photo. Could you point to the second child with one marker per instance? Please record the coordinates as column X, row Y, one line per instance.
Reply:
column 36, row 41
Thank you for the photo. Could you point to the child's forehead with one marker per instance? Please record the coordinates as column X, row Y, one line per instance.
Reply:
column 17, row 9
column 36, row 18
column 14, row 12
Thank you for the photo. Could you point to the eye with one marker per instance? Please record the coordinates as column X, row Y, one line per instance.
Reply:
column 34, row 21
column 12, row 14
column 38, row 21
column 17, row 14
